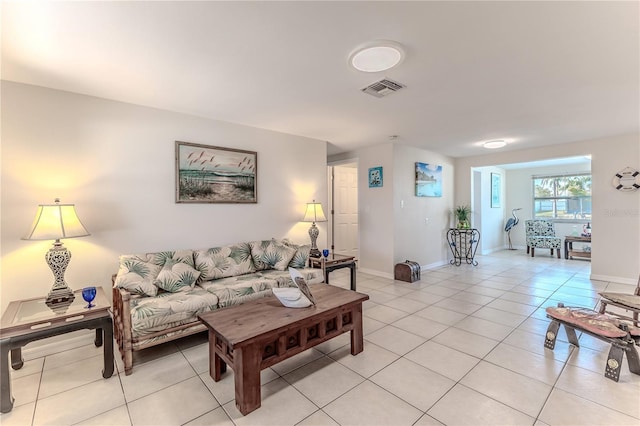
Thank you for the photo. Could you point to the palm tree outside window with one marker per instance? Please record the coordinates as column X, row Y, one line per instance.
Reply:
column 566, row 197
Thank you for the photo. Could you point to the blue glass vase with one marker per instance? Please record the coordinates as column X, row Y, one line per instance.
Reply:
column 325, row 253
column 88, row 294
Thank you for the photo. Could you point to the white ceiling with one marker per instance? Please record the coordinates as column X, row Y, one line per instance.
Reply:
column 534, row 73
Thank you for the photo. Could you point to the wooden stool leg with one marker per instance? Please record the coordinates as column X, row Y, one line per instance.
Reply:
column 614, row 363
column 551, row 335
column 571, row 334
column 633, row 360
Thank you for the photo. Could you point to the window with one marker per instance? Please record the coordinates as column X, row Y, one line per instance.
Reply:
column 565, row 197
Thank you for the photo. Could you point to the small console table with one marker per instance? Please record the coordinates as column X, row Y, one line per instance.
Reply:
column 569, row 252
column 463, row 244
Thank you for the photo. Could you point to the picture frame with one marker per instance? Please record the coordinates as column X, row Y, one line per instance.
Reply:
column 428, row 180
column 214, row 174
column 375, row 177
column 496, row 190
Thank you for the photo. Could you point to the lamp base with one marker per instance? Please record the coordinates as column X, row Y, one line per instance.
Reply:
column 313, row 234
column 59, row 299
column 314, row 252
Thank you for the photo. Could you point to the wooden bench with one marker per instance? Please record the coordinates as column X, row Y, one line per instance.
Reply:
column 620, row 335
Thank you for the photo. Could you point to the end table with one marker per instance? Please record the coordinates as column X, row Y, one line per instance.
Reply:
column 333, row 262
column 25, row 321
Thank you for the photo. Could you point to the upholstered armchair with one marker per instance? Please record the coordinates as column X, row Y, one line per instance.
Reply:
column 541, row 234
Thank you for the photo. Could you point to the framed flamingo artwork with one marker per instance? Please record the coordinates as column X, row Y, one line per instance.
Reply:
column 212, row 174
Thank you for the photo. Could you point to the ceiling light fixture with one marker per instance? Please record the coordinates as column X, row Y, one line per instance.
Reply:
column 495, row 144
column 376, row 56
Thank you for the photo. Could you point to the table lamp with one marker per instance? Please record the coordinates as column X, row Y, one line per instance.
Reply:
column 54, row 222
column 314, row 214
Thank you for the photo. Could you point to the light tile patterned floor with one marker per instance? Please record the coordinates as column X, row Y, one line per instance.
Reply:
column 462, row 346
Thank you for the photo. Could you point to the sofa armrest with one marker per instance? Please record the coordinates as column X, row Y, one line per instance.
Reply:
column 122, row 325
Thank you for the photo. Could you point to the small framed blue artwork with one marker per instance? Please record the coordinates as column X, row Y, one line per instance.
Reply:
column 375, row 177
column 496, row 190
column 428, row 180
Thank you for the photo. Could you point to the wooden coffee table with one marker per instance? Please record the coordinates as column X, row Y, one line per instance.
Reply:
column 258, row 334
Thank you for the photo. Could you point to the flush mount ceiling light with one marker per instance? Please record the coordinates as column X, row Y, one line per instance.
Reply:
column 376, row 56
column 495, row 144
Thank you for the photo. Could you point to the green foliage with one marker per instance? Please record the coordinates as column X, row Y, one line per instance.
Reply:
column 463, row 213
column 194, row 188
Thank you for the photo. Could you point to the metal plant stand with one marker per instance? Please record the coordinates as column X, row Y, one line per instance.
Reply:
column 463, row 244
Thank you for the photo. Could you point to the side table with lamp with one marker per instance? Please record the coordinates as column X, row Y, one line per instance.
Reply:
column 62, row 311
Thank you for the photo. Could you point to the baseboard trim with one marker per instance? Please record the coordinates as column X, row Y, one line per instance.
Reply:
column 434, row 265
column 375, row 273
column 610, row 278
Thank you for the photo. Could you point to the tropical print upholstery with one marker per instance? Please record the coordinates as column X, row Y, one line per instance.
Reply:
column 176, row 276
column 138, row 272
column 301, row 256
column 311, row 276
column 166, row 310
column 137, row 275
column 271, row 254
column 223, row 262
column 183, row 284
column 231, row 288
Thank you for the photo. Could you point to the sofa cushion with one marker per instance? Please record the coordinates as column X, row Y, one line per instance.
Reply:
column 301, row 256
column 235, row 290
column 311, row 276
column 176, row 276
column 166, row 310
column 222, row 262
column 136, row 275
column 271, row 254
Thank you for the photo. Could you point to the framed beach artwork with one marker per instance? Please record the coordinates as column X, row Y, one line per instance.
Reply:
column 212, row 174
column 428, row 180
column 496, row 189
column 375, row 177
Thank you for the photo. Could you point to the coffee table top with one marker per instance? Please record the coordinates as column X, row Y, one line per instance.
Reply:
column 24, row 316
column 241, row 323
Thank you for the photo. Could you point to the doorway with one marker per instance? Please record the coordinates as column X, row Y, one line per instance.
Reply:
column 343, row 209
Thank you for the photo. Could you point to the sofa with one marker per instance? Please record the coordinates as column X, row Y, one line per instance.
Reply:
column 157, row 296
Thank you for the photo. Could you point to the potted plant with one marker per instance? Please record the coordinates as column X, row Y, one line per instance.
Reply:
column 463, row 214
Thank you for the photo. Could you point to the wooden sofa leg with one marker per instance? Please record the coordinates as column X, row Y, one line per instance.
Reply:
column 528, row 249
column 558, row 253
column 533, row 250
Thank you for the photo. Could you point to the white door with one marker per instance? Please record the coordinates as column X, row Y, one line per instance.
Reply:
column 345, row 209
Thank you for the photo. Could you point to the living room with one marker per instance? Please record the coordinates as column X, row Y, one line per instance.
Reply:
column 92, row 127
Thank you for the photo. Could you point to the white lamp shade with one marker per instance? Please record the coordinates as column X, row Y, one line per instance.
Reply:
column 314, row 213
column 56, row 221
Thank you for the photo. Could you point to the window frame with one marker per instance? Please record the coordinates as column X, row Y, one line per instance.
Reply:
column 556, row 197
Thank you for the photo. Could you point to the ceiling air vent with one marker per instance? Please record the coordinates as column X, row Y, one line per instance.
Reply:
column 383, row 87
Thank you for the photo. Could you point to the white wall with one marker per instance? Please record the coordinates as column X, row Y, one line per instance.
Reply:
column 375, row 210
column 520, row 194
column 616, row 215
column 492, row 218
column 395, row 225
column 420, row 227
column 116, row 162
